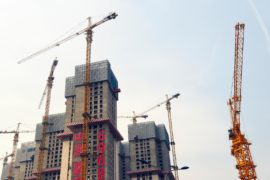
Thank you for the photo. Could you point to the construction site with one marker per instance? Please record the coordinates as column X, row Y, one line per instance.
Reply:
column 93, row 138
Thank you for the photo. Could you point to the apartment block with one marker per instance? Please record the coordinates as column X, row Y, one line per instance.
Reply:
column 149, row 152
column 53, row 153
column 124, row 161
column 23, row 163
column 103, row 134
column 5, row 169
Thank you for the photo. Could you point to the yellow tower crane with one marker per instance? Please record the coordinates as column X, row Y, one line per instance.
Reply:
column 45, row 121
column 240, row 145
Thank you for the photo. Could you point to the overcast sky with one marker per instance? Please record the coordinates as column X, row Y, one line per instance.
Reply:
column 155, row 47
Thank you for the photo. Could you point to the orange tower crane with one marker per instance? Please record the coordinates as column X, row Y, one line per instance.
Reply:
column 86, row 115
column 14, row 148
column 45, row 122
column 240, row 145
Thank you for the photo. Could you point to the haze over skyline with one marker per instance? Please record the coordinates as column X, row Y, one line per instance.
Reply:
column 155, row 48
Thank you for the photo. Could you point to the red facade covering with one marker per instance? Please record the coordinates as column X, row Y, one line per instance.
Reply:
column 77, row 168
column 77, row 165
column 78, row 136
column 101, row 147
column 101, row 157
column 78, row 149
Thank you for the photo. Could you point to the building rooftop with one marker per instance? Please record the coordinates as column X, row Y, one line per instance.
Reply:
column 25, row 153
column 148, row 130
column 56, row 123
column 100, row 71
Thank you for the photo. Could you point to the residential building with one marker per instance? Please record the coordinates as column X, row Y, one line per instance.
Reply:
column 53, row 153
column 149, row 152
column 103, row 135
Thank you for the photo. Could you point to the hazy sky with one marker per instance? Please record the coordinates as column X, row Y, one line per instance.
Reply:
column 155, row 48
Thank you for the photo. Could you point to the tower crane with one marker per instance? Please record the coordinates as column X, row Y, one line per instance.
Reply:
column 240, row 145
column 168, row 107
column 14, row 148
column 86, row 115
column 58, row 43
column 45, row 121
column 143, row 114
column 172, row 142
column 5, row 158
column 14, row 131
column 134, row 117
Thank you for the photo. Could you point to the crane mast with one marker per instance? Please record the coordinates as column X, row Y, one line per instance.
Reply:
column 15, row 142
column 240, row 145
column 86, row 115
column 168, row 107
column 45, row 122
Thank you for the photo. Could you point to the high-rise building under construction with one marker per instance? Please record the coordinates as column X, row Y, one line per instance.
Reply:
column 53, row 148
column 103, row 135
column 145, row 156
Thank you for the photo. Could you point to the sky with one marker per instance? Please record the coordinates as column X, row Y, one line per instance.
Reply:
column 155, row 48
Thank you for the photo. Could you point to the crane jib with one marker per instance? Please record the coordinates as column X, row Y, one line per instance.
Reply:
column 109, row 17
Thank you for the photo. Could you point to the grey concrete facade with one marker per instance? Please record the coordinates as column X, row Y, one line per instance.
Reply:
column 124, row 161
column 148, row 154
column 52, row 156
column 24, row 161
column 5, row 170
